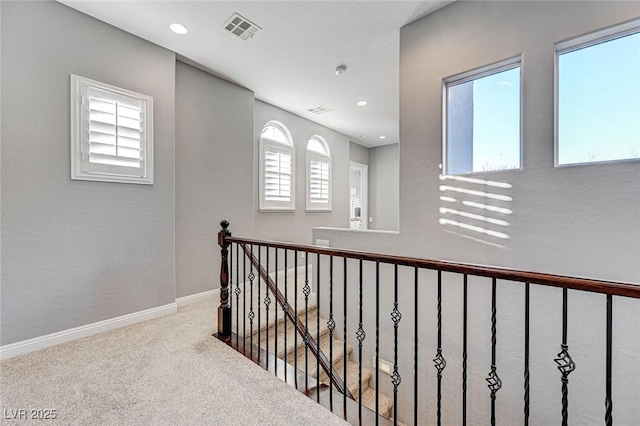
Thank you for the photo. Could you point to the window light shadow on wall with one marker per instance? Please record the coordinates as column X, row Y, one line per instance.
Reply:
column 476, row 209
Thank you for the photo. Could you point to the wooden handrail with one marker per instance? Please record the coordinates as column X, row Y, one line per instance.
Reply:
column 584, row 284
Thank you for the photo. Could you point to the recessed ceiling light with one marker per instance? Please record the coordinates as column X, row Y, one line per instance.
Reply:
column 362, row 103
column 178, row 28
column 382, row 137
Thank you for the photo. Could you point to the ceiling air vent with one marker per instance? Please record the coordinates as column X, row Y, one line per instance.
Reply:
column 242, row 27
column 319, row 110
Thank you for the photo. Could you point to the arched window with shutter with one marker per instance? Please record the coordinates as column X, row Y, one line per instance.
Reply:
column 277, row 168
column 318, row 175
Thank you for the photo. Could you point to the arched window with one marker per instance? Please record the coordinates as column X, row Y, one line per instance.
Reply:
column 277, row 166
column 318, row 175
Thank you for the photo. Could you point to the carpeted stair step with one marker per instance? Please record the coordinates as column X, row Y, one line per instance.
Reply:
column 385, row 404
column 337, row 359
column 352, row 377
column 291, row 334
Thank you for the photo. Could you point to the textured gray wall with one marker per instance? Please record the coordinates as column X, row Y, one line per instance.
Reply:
column 358, row 153
column 582, row 221
column 384, row 187
column 297, row 226
column 77, row 252
column 214, row 173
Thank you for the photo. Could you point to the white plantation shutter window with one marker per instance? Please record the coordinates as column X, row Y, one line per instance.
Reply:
column 318, row 175
column 319, row 181
column 277, row 181
column 277, row 165
column 112, row 133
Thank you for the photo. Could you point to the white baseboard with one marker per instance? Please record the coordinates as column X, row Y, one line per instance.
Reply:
column 31, row 345
column 198, row 297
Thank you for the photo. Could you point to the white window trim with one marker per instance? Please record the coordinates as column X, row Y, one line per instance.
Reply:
column 78, row 172
column 271, row 205
column 475, row 74
column 316, row 207
column 577, row 43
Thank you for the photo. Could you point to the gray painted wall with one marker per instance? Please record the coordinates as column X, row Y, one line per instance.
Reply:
column 78, row 252
column 384, row 187
column 297, row 226
column 582, row 221
column 358, row 153
column 214, row 173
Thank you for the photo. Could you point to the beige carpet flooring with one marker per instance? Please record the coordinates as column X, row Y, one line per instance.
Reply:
column 168, row 371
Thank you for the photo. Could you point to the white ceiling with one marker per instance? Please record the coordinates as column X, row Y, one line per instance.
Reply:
column 291, row 62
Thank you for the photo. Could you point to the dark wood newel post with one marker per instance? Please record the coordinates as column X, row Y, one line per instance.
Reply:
column 224, row 310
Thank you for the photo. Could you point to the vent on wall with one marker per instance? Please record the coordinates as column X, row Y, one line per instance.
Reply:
column 319, row 110
column 241, row 27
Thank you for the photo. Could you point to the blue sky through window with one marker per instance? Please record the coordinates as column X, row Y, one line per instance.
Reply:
column 599, row 102
column 496, row 121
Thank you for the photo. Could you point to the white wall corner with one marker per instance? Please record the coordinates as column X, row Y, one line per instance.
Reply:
column 42, row 342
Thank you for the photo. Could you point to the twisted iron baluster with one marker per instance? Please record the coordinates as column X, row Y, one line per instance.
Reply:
column 267, row 302
column 439, row 361
column 285, row 309
column 564, row 361
column 275, row 311
column 464, row 353
column 306, row 290
column 251, row 315
column 396, row 316
column 318, row 321
column 295, row 306
column 526, row 354
column 377, row 409
column 237, row 292
column 331, row 324
column 258, row 303
column 244, row 299
column 493, row 381
column 415, row 348
column 360, row 335
column 344, row 358
column 608, row 402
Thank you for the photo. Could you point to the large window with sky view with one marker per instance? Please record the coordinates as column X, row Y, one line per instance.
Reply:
column 598, row 97
column 482, row 109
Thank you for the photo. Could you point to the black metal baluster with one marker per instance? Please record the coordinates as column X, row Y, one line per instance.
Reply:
column 258, row 301
column 285, row 309
column 295, row 307
column 360, row 334
column 377, row 342
column 267, row 302
column 464, row 352
column 493, row 380
column 318, row 324
column 244, row 299
column 231, row 305
column 396, row 316
column 275, row 311
column 564, row 361
column 608, row 403
column 331, row 325
column 344, row 358
column 306, row 290
column 251, row 313
column 526, row 354
column 415, row 348
column 237, row 292
column 439, row 360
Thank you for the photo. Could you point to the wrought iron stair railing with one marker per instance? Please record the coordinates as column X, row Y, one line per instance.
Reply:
column 564, row 361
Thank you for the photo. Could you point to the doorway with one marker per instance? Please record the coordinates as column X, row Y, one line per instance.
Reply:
column 358, row 190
